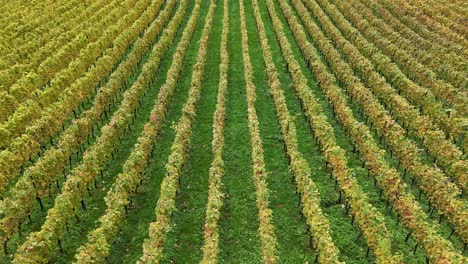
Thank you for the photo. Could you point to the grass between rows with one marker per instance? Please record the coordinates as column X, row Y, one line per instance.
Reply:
column 38, row 216
column 397, row 231
column 239, row 240
column 185, row 239
column 77, row 230
column 442, row 227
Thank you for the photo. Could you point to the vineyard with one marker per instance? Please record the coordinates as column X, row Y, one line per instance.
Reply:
column 246, row 131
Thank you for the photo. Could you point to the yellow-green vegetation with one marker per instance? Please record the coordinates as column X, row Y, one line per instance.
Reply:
column 243, row 131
